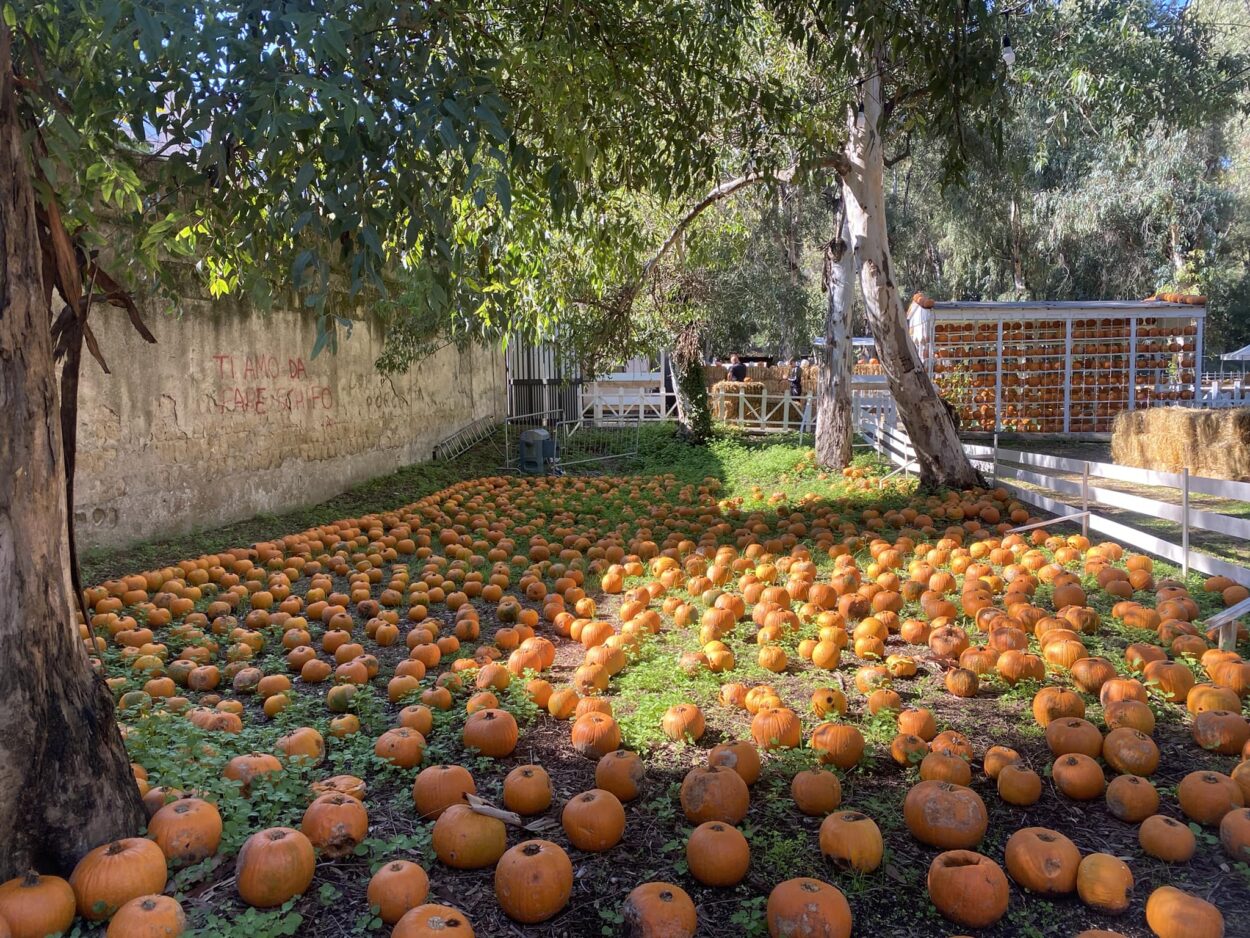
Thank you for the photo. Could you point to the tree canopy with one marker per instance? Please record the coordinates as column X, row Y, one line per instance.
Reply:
column 438, row 150
column 470, row 172
column 1122, row 170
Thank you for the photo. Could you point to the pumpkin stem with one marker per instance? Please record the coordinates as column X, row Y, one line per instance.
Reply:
column 30, row 879
column 115, row 848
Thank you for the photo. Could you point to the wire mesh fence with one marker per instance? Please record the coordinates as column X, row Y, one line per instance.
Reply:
column 584, row 443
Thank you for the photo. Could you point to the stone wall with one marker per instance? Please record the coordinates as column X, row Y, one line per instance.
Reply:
column 228, row 416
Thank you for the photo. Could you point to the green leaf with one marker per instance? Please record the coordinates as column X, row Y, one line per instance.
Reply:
column 305, row 176
column 322, row 340
column 503, row 190
column 490, row 120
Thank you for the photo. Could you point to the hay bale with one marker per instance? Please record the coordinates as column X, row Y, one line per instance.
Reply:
column 1212, row 443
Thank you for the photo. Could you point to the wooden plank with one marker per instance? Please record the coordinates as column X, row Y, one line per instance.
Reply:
column 1226, row 621
column 1140, row 540
column 1218, row 488
column 1050, row 483
column 1206, row 520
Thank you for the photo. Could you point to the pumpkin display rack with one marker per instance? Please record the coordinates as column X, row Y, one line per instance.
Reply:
column 1059, row 367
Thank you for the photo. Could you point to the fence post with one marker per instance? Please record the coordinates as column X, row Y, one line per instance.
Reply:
column 742, row 403
column 785, row 413
column 994, row 471
column 1067, row 376
column 1185, row 521
column 762, row 417
column 1132, row 363
column 1085, row 499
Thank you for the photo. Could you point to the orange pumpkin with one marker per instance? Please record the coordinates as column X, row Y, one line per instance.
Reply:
column 819, row 908
column 109, row 876
column 273, row 866
column 34, row 906
column 851, row 840
column 594, row 820
column 718, row 854
column 968, row 888
column 148, row 917
column 397, row 887
column 186, row 831
column 945, row 816
column 533, row 881
column 466, row 840
column 660, row 909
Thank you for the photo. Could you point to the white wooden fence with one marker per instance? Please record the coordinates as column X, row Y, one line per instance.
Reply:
column 606, row 402
column 1008, row 467
column 1225, row 391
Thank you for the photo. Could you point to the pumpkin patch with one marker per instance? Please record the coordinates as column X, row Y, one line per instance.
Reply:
column 649, row 705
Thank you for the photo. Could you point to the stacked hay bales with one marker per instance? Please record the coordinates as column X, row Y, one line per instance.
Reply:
column 767, row 374
column 774, row 377
column 1212, row 443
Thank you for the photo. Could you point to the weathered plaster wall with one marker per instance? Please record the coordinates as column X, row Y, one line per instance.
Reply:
column 228, row 416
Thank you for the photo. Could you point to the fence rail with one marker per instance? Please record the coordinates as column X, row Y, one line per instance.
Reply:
column 758, row 411
column 1006, row 466
column 608, row 402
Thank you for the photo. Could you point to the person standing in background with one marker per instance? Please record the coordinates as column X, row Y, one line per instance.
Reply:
column 795, row 376
column 737, row 370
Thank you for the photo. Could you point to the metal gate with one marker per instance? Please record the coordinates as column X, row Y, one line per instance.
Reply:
column 538, row 382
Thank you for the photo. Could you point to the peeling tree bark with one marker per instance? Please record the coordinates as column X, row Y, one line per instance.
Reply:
column 940, row 455
column 833, row 395
column 65, row 780
column 694, row 415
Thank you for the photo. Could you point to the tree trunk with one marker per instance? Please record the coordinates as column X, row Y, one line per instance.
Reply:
column 65, row 779
column 940, row 455
column 1182, row 280
column 694, row 413
column 1019, row 286
column 834, row 417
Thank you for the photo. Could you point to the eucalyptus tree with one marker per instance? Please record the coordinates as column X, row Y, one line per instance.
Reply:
column 924, row 67
column 942, row 75
column 1117, row 174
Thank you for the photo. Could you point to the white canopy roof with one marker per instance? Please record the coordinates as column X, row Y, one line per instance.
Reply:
column 1241, row 355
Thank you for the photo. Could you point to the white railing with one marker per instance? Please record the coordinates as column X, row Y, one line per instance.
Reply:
column 1222, row 393
column 606, row 402
column 759, row 411
column 762, row 411
column 1008, row 467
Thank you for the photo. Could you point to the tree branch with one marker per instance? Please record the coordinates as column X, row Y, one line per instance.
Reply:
column 893, row 161
column 900, row 97
column 836, row 161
